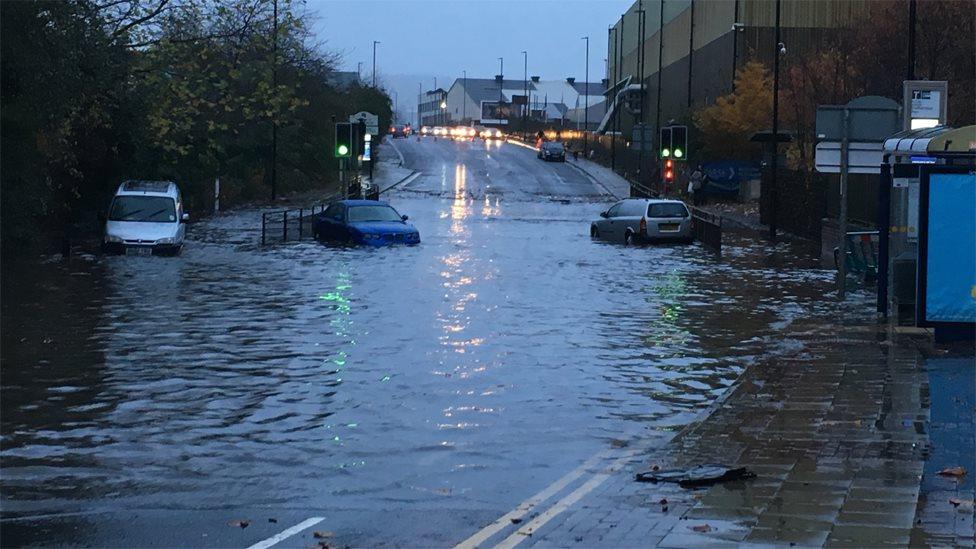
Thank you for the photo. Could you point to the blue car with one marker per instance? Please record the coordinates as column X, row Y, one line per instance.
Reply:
column 364, row 222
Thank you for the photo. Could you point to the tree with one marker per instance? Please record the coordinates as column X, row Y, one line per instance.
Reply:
column 727, row 125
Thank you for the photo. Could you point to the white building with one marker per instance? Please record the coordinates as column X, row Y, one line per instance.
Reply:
column 495, row 101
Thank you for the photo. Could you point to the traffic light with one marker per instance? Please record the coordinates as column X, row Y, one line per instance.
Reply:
column 664, row 145
column 668, row 170
column 679, row 142
column 343, row 140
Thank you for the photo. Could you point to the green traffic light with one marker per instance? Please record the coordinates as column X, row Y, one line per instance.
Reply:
column 343, row 150
column 665, row 152
column 678, row 153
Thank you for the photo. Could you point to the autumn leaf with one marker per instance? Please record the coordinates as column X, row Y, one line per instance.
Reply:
column 952, row 472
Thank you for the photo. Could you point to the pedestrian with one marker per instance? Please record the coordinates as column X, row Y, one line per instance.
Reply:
column 696, row 186
column 575, row 154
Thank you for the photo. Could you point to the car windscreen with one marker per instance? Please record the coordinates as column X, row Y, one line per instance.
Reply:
column 155, row 209
column 667, row 209
column 372, row 213
column 554, row 146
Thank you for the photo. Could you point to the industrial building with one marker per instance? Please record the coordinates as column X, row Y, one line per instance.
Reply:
column 700, row 44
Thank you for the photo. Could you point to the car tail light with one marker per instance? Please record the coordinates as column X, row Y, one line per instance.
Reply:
column 643, row 225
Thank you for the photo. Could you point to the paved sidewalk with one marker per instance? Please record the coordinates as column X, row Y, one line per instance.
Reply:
column 610, row 180
column 837, row 435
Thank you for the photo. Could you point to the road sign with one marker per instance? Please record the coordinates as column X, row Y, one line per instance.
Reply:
column 925, row 103
column 862, row 157
column 371, row 120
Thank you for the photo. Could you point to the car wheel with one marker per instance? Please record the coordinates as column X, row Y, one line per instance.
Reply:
column 629, row 238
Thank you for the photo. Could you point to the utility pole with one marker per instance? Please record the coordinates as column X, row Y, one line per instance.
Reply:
column 525, row 88
column 735, row 41
column 773, row 181
column 359, row 72
column 612, row 82
column 420, row 103
column 641, row 20
column 464, row 93
column 501, row 81
column 691, row 49
column 374, row 61
column 911, row 40
column 620, row 77
column 586, row 97
column 660, row 70
column 274, row 115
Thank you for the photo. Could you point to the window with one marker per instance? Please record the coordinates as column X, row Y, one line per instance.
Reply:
column 334, row 212
column 373, row 213
column 151, row 209
column 612, row 212
column 667, row 209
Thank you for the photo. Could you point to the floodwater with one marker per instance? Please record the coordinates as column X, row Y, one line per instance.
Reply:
column 464, row 373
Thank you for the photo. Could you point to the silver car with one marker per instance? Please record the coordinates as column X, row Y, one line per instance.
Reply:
column 636, row 220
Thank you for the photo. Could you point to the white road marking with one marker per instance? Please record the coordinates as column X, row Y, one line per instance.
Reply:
column 529, row 504
column 287, row 533
column 563, row 504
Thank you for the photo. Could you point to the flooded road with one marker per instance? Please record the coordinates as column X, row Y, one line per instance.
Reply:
column 402, row 393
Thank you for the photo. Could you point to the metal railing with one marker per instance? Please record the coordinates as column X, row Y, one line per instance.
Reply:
column 707, row 228
column 284, row 225
column 862, row 254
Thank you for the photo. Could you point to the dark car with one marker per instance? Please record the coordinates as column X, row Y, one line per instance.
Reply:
column 552, row 150
column 399, row 130
column 364, row 222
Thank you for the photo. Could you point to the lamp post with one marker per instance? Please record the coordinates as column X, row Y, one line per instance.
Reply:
column 501, row 79
column 443, row 111
column 525, row 90
column 586, row 95
column 464, row 92
column 374, row 61
column 772, row 187
column 420, row 104
column 612, row 82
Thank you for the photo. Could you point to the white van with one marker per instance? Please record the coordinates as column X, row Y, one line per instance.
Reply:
column 145, row 218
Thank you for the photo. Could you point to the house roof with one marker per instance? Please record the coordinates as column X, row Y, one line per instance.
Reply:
column 595, row 88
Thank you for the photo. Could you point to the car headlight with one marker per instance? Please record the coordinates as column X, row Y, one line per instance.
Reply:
column 370, row 236
column 168, row 240
column 112, row 238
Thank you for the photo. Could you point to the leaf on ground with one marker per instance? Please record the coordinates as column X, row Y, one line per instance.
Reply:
column 322, row 534
column 239, row 523
column 516, row 520
column 274, row 520
column 701, row 528
column 956, row 502
column 953, row 472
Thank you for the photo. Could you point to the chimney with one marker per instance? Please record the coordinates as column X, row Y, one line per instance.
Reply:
column 535, row 79
column 570, row 79
column 498, row 78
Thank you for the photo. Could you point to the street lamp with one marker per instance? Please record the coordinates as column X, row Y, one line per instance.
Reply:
column 443, row 111
column 586, row 95
column 374, row 61
column 780, row 49
column 525, row 90
column 464, row 90
column 501, row 79
column 420, row 103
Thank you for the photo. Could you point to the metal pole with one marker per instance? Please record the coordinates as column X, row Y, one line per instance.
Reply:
column 844, row 145
column 263, row 225
column 420, row 117
column 620, row 77
column 735, row 41
column 691, row 50
column 501, row 80
column 374, row 61
column 284, row 225
column 586, row 97
column 641, row 21
column 525, row 90
column 464, row 92
column 274, row 117
column 301, row 220
column 775, row 162
column 612, row 81
column 911, row 39
column 660, row 71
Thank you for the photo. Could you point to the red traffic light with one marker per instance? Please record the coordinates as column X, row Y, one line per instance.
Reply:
column 669, row 164
column 669, row 175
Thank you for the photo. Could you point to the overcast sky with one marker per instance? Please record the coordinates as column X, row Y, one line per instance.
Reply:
column 431, row 37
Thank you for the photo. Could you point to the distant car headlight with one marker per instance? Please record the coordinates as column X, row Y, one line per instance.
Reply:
column 112, row 238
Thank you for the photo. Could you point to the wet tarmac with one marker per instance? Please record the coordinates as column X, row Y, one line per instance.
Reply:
column 404, row 394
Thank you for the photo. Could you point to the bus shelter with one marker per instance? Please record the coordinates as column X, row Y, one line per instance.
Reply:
column 927, row 237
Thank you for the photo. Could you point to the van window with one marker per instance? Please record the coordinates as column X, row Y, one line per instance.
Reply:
column 153, row 209
column 667, row 209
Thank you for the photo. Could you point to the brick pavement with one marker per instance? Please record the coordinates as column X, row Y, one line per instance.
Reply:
column 836, row 434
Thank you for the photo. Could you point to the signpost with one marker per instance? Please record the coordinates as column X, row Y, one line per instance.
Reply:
column 925, row 103
column 867, row 120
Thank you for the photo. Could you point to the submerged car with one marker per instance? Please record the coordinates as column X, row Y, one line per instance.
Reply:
column 552, row 150
column 364, row 222
column 145, row 218
column 636, row 220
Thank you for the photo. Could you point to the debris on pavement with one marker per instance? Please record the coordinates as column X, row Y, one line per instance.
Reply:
column 952, row 472
column 239, row 523
column 516, row 520
column 701, row 528
column 963, row 503
column 320, row 534
column 273, row 520
column 702, row 475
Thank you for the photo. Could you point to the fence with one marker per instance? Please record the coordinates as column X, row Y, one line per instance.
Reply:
column 707, row 228
column 282, row 225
